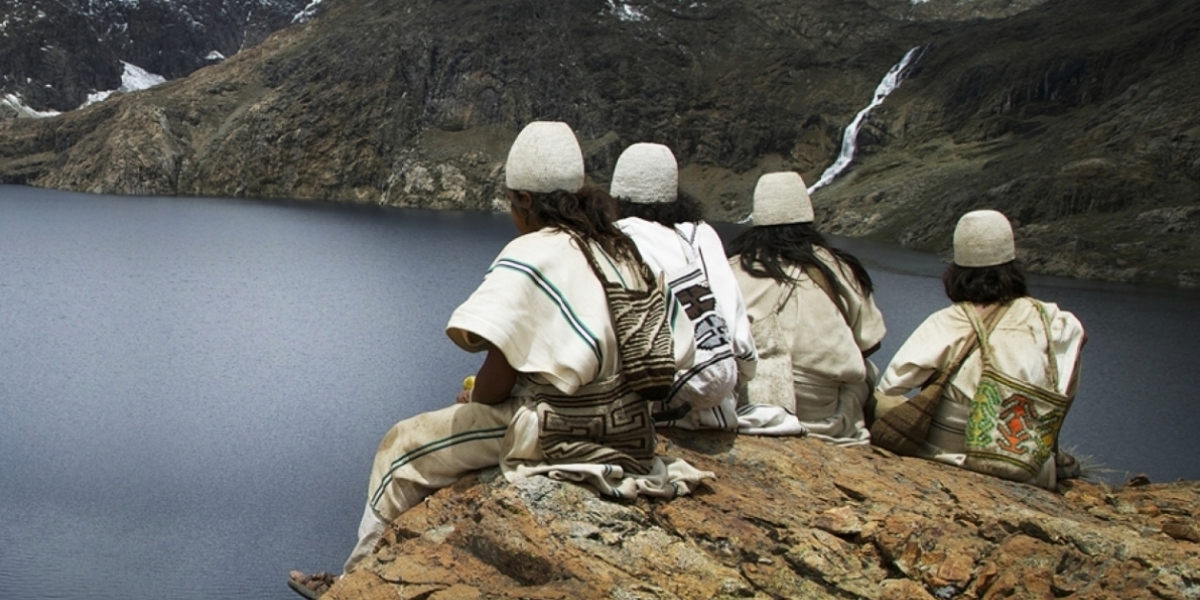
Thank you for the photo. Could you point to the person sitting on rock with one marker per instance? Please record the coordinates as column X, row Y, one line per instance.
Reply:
column 578, row 333
column 667, row 227
column 812, row 313
column 1027, row 339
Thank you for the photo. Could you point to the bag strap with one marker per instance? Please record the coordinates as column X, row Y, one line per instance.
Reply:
column 642, row 267
column 818, row 277
column 982, row 326
column 982, row 333
column 690, row 244
column 687, row 242
column 1051, row 359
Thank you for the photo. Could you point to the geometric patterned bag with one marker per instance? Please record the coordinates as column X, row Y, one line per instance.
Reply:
column 1013, row 426
column 642, row 324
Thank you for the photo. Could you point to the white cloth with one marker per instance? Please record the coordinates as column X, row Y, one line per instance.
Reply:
column 1019, row 349
column 831, row 378
column 692, row 257
column 542, row 307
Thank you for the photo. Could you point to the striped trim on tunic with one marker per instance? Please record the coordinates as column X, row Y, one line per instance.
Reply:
column 430, row 448
column 557, row 297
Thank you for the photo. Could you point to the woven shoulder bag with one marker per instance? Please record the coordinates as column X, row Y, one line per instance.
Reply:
column 1013, row 426
column 904, row 428
column 643, row 329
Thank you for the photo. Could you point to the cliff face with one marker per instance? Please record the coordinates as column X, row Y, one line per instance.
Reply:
column 792, row 518
column 1075, row 117
column 53, row 53
column 1074, row 127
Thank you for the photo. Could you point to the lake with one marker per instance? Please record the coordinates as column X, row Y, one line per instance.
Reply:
column 191, row 390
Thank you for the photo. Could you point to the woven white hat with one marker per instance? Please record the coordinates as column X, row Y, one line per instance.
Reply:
column 781, row 198
column 983, row 238
column 545, row 157
column 646, row 173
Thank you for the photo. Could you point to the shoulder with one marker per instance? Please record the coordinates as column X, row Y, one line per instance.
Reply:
column 837, row 266
column 637, row 225
column 703, row 229
column 950, row 318
column 538, row 243
column 1064, row 323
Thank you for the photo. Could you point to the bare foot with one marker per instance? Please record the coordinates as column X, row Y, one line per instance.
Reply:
column 317, row 583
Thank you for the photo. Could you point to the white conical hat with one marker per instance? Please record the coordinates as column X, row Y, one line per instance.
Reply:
column 780, row 199
column 983, row 238
column 646, row 173
column 545, row 157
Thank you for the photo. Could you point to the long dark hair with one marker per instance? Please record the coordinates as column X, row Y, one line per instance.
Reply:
column 999, row 284
column 589, row 213
column 765, row 251
column 684, row 209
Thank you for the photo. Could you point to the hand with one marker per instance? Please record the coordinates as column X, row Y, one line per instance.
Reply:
column 464, row 397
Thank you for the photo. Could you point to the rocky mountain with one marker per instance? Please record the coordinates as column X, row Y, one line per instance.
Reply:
column 1075, row 117
column 53, row 54
column 792, row 518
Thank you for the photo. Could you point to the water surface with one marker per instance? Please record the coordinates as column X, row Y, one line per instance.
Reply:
column 191, row 390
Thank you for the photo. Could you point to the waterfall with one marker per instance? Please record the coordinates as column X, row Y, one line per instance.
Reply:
column 890, row 82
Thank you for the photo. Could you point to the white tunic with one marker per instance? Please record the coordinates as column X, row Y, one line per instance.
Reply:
column 1019, row 349
column 541, row 305
column 692, row 258
column 831, row 378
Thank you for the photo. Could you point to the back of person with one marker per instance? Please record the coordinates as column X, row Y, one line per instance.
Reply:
column 577, row 334
column 811, row 306
column 1033, row 342
column 825, row 339
column 670, row 235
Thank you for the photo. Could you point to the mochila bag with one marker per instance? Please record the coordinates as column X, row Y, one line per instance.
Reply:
column 903, row 429
column 1013, row 426
column 772, row 381
column 643, row 329
column 714, row 373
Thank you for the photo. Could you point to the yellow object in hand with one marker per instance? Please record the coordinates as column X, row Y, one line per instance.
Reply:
column 469, row 382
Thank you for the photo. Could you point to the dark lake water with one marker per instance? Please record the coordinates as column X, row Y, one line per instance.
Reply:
column 191, row 390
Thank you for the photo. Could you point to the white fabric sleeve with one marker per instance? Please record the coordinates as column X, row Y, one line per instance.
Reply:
column 916, row 360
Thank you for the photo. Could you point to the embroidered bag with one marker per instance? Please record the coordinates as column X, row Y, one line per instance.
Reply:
column 1013, row 426
column 714, row 373
column 643, row 329
column 903, row 428
column 773, row 382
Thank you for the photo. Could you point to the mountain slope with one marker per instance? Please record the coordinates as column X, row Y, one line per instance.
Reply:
column 1081, row 129
column 54, row 53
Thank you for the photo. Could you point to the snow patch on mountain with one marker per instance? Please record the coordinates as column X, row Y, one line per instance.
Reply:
column 133, row 79
column 14, row 103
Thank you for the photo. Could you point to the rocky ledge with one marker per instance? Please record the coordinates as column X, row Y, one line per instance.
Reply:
column 792, row 518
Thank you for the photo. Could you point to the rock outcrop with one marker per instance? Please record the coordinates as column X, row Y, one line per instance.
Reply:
column 792, row 518
column 1075, row 117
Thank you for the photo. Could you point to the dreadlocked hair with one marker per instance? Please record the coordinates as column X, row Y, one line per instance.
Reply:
column 590, row 214
column 684, row 209
column 766, row 250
